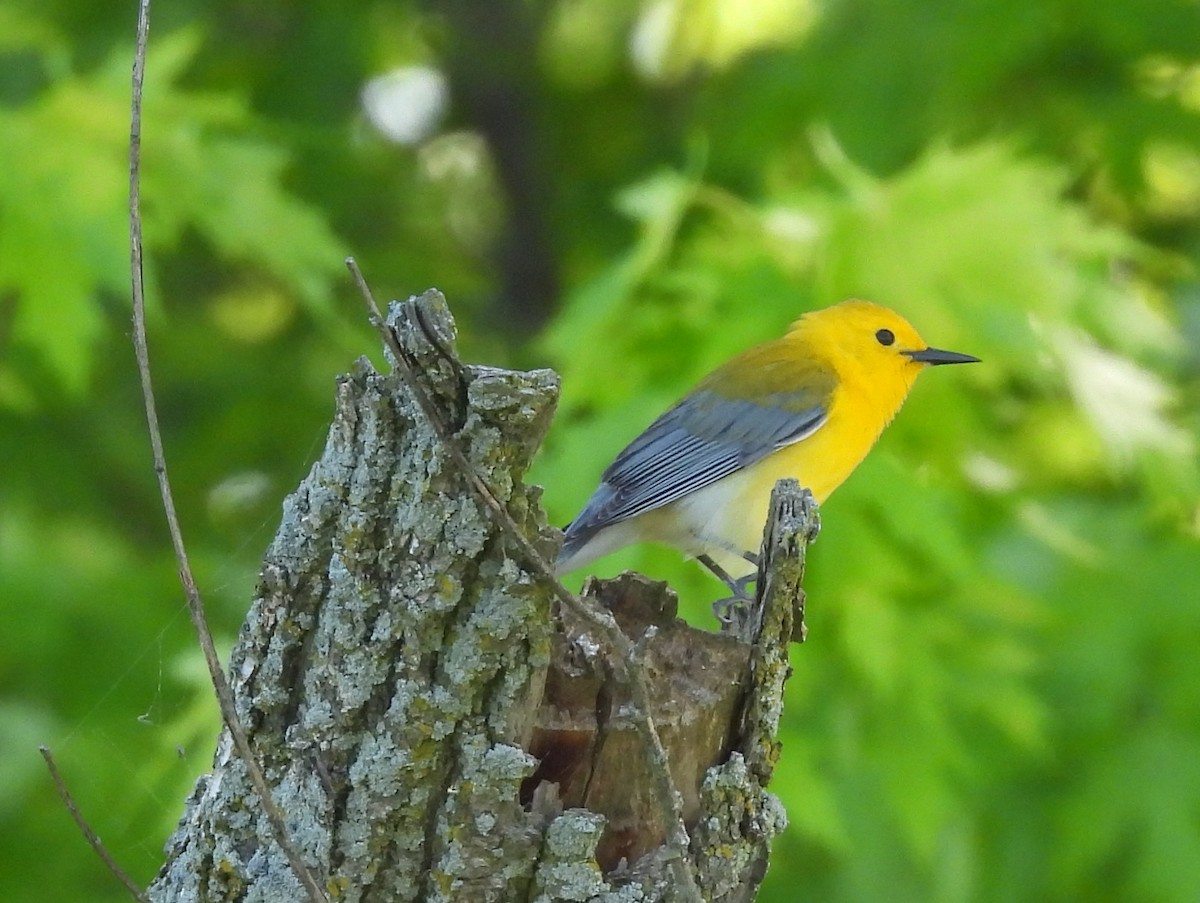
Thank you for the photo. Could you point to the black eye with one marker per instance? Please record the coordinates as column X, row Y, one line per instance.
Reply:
column 885, row 337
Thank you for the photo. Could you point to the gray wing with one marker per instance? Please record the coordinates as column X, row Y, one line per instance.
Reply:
column 703, row 438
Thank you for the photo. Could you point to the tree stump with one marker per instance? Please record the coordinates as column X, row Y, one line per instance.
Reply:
column 433, row 725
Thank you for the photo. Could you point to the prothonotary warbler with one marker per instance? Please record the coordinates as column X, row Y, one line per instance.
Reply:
column 809, row 405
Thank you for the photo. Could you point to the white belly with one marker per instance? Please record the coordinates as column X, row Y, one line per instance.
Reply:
column 714, row 521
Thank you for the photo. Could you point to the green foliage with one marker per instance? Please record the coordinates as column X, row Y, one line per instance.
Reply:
column 997, row 700
column 65, row 212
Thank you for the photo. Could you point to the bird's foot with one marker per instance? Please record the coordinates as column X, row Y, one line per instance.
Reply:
column 727, row 609
column 730, row 609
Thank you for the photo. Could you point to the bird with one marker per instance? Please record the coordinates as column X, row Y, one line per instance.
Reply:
column 809, row 405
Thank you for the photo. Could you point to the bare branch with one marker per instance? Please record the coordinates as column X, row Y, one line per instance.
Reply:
column 89, row 835
column 623, row 653
column 194, row 602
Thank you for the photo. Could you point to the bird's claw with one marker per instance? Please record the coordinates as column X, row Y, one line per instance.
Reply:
column 725, row 609
column 729, row 609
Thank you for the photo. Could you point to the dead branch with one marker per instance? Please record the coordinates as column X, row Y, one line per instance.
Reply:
column 89, row 835
column 194, row 603
column 616, row 645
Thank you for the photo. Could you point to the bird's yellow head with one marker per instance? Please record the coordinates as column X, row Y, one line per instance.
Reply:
column 862, row 339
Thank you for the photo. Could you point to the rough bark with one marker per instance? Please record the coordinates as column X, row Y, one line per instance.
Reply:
column 434, row 727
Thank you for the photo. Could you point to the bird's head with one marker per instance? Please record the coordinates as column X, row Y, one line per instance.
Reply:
column 871, row 339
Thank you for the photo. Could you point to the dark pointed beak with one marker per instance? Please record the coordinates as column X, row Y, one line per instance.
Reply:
column 935, row 356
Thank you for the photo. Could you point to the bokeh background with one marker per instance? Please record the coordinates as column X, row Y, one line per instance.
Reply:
column 1000, row 696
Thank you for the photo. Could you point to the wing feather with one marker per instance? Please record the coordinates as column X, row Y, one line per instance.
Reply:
column 703, row 438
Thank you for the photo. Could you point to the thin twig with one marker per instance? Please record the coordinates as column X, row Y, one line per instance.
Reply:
column 89, row 835
column 623, row 657
column 195, row 605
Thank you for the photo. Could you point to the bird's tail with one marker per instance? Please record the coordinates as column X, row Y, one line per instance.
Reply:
column 575, row 541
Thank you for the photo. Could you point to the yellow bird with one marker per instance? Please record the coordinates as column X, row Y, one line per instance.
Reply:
column 809, row 405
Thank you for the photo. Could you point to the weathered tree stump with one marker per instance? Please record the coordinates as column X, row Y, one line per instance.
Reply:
column 435, row 728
